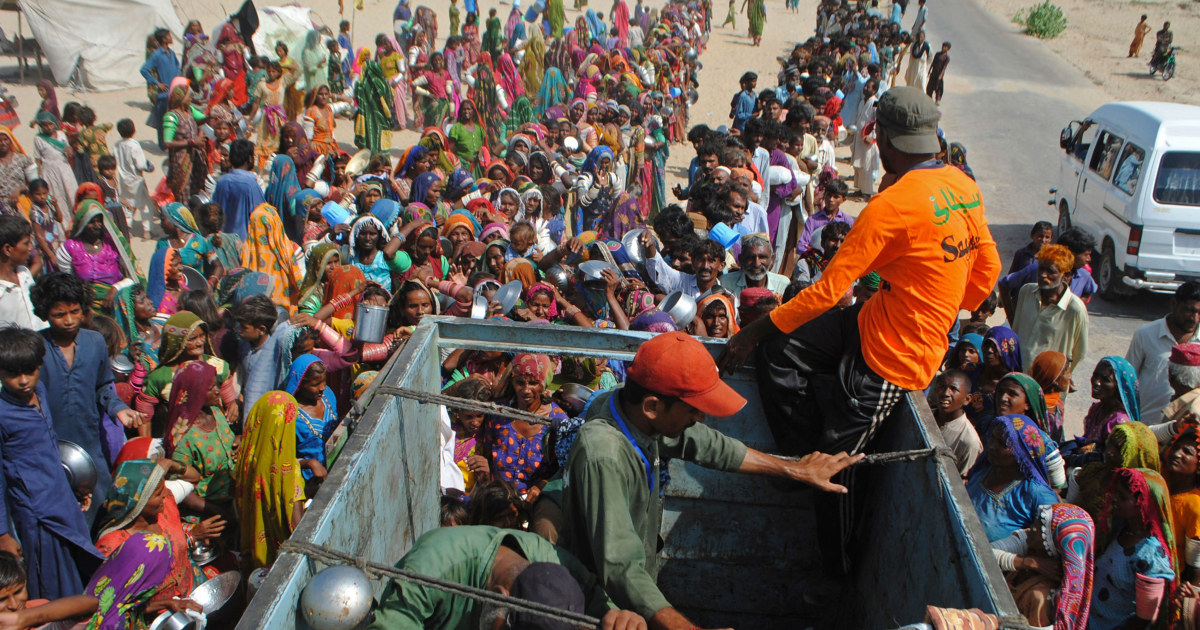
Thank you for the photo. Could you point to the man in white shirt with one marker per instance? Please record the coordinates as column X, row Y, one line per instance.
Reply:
column 1150, row 347
column 708, row 261
column 1048, row 315
column 16, row 246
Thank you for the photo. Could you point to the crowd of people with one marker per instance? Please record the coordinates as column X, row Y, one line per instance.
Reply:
column 205, row 386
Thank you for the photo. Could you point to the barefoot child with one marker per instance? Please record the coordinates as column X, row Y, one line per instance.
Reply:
column 131, row 163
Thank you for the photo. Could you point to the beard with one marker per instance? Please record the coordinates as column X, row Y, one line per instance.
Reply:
column 757, row 274
column 490, row 615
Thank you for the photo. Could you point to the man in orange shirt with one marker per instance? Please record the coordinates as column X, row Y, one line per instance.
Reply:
column 828, row 378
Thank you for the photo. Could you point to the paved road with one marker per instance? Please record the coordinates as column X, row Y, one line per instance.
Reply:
column 1007, row 98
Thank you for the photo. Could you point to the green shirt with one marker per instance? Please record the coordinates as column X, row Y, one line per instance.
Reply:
column 465, row 555
column 611, row 518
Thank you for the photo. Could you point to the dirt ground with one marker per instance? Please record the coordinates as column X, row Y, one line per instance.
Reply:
column 1097, row 43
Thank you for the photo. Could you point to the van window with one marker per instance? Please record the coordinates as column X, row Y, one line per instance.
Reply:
column 1108, row 146
column 1129, row 168
column 1178, row 180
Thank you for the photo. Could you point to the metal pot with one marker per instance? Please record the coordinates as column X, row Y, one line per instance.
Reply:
column 370, row 323
column 681, row 307
column 121, row 365
column 575, row 396
column 173, row 621
column 81, row 468
column 559, row 277
column 336, row 598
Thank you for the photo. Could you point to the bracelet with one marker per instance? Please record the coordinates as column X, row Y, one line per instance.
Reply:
column 341, row 301
column 449, row 287
column 572, row 312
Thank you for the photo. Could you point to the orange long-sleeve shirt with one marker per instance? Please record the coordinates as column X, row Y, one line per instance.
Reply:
column 927, row 237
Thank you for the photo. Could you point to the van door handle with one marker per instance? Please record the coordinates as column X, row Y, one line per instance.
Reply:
column 1084, row 186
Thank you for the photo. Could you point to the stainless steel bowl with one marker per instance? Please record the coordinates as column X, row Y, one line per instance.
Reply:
column 508, row 295
column 571, row 144
column 203, row 553
column 575, row 396
column 593, row 270
column 215, row 593
column 479, row 307
column 80, row 467
column 173, row 621
column 632, row 242
column 336, row 598
column 121, row 364
column 559, row 277
column 194, row 279
column 680, row 306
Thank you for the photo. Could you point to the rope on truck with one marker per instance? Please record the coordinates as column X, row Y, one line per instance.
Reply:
column 464, row 403
column 333, row 557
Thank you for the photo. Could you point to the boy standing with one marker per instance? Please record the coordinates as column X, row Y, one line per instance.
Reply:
column 44, row 511
column 261, row 349
column 1041, row 235
column 16, row 248
column 937, row 72
column 744, row 103
column 131, row 163
column 77, row 374
column 950, row 393
column 834, row 194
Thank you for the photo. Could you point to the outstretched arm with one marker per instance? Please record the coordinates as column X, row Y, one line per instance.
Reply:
column 814, row 469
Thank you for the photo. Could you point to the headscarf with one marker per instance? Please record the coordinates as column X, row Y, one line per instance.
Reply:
column 542, row 287
column 298, row 368
column 433, row 136
column 1068, row 534
column 189, row 392
column 16, row 146
column 1137, row 447
column 89, row 188
column 253, row 283
column 1153, row 499
column 283, row 184
column 268, row 251
column 958, row 159
column 134, row 482
column 422, row 185
column 592, row 162
column 129, row 578
column 457, row 220
column 494, row 228
column 520, row 269
column 342, row 281
column 1127, row 385
column 532, row 64
column 1033, row 398
column 318, row 259
column 1046, row 369
column 537, row 366
column 553, row 91
column 387, row 211
column 1025, row 442
column 140, row 448
column 268, row 479
column 411, row 156
column 638, row 301
column 1008, row 346
column 50, row 103
column 654, row 321
column 730, row 310
column 181, row 217
column 175, row 333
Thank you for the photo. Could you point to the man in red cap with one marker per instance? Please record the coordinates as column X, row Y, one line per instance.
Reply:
column 1183, row 374
column 612, row 495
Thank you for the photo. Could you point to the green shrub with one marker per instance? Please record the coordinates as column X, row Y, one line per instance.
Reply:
column 1043, row 21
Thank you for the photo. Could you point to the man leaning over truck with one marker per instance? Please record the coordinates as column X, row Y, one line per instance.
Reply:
column 612, row 495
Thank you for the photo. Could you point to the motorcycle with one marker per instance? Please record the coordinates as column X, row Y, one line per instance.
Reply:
column 1166, row 65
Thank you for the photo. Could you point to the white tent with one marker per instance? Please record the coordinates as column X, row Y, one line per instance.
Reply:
column 104, row 39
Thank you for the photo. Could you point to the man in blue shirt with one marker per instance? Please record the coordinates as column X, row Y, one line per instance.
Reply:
column 1081, row 245
column 77, row 375
column 262, row 347
column 238, row 192
column 744, row 102
column 159, row 70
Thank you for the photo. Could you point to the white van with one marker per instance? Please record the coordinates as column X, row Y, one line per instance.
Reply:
column 1131, row 177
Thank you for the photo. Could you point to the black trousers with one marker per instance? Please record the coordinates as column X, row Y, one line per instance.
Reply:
column 819, row 394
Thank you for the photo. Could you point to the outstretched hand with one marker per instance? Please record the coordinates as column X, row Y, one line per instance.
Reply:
column 817, row 469
column 738, row 347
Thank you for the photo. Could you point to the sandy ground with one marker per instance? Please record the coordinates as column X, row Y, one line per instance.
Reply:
column 1097, row 40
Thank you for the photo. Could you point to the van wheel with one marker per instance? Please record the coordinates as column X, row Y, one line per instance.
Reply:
column 1108, row 277
column 1064, row 218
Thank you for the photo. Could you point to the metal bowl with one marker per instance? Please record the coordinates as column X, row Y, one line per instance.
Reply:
column 173, row 621
column 508, row 295
column 336, row 598
column 559, row 277
column 81, row 468
column 571, row 144
column 479, row 307
column 593, row 270
column 203, row 553
column 575, row 396
column 680, row 306
column 632, row 242
column 194, row 279
column 215, row 593
column 121, row 364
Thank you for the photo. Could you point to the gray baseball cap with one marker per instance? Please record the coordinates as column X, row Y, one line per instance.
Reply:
column 911, row 119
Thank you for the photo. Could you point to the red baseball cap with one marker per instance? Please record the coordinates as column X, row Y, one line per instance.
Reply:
column 675, row 364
